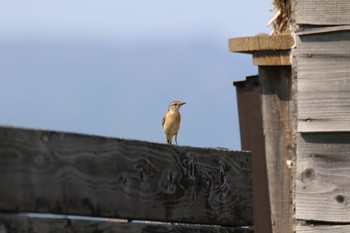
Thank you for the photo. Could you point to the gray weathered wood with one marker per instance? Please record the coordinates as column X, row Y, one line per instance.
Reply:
column 21, row 223
column 323, row 229
column 323, row 177
column 323, row 12
column 277, row 109
column 64, row 173
column 312, row 30
column 324, row 82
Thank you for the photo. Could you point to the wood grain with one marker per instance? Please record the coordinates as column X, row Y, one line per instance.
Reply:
column 277, row 110
column 324, row 82
column 20, row 223
column 323, row 229
column 323, row 172
column 64, row 173
column 272, row 58
column 252, row 139
column 323, row 12
column 260, row 43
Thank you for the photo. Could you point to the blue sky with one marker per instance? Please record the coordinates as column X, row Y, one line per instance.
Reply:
column 111, row 67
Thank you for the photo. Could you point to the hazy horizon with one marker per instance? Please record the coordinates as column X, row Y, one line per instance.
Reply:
column 77, row 67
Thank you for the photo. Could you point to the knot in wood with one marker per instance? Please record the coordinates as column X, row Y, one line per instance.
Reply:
column 308, row 175
column 340, row 199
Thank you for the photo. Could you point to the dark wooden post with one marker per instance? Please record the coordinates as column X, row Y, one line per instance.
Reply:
column 271, row 54
column 252, row 139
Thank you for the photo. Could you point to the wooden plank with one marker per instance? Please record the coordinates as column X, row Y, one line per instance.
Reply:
column 309, row 29
column 272, row 58
column 252, row 139
column 323, row 228
column 323, row 184
column 261, row 42
column 323, row 12
column 22, row 223
column 277, row 111
column 64, row 173
column 324, row 82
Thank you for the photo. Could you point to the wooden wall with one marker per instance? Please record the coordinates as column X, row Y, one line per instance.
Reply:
column 71, row 174
column 322, row 65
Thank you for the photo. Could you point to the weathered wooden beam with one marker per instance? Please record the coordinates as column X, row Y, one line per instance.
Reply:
column 272, row 58
column 323, row 184
column 23, row 223
column 261, row 42
column 65, row 173
column 277, row 109
column 266, row 50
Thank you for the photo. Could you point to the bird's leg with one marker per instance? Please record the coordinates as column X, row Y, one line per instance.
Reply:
column 176, row 138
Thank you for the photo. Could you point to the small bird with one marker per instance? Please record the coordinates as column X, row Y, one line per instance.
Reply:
column 171, row 121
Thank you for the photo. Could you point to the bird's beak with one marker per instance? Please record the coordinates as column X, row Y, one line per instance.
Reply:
column 182, row 103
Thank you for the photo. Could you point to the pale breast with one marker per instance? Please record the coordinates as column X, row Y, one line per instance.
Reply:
column 172, row 123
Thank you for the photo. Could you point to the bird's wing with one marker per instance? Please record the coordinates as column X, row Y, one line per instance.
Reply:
column 163, row 121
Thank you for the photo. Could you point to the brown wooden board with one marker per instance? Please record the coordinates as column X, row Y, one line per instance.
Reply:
column 324, row 82
column 323, row 12
column 252, row 139
column 65, row 173
column 21, row 223
column 323, row 177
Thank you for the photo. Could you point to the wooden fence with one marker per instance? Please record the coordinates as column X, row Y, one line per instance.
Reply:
column 65, row 182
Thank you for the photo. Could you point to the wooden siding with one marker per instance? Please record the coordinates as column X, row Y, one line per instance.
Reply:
column 323, row 184
column 64, row 173
column 321, row 61
column 323, row 12
column 323, row 229
column 324, row 81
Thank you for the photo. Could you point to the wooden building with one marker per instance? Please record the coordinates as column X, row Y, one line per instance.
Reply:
column 322, row 66
column 294, row 117
column 304, row 84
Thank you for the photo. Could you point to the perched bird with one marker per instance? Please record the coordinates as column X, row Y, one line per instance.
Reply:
column 171, row 121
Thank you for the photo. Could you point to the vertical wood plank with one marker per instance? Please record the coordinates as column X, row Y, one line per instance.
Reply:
column 277, row 113
column 252, row 139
